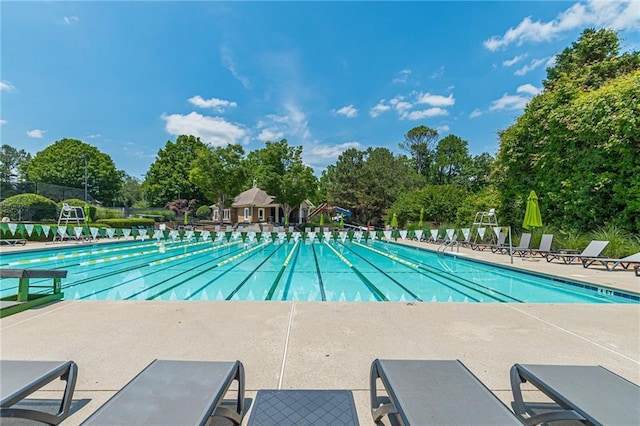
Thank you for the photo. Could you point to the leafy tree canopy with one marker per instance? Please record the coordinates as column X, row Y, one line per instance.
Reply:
column 219, row 173
column 168, row 176
column 278, row 169
column 10, row 161
column 578, row 142
column 63, row 163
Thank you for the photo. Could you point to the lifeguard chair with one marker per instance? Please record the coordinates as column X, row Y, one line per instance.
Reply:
column 485, row 220
column 68, row 214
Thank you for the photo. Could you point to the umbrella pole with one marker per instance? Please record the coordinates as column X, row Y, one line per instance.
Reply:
column 510, row 245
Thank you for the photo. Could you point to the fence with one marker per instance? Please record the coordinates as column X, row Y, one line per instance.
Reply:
column 54, row 192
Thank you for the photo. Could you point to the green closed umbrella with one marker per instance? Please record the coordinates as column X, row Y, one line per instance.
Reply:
column 322, row 219
column 532, row 217
column 394, row 221
column 421, row 222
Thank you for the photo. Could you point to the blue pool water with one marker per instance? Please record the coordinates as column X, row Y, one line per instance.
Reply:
column 293, row 270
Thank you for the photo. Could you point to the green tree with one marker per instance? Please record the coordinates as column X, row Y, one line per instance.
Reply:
column 476, row 175
column 219, row 173
column 280, row 172
column 345, row 184
column 578, row 142
column 419, row 144
column 168, row 176
column 11, row 160
column 440, row 203
column 368, row 182
column 130, row 192
column 451, row 156
column 63, row 163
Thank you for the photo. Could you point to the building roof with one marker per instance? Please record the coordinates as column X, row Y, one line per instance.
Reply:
column 253, row 197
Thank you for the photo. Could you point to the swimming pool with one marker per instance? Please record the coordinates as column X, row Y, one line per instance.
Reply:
column 291, row 269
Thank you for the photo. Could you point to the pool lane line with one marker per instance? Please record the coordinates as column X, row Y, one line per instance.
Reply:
column 398, row 283
column 320, row 283
column 436, row 271
column 204, row 271
column 217, row 277
column 372, row 288
column 435, row 279
column 243, row 282
column 287, row 285
column 282, row 268
column 192, row 253
column 134, row 267
column 83, row 253
column 523, row 277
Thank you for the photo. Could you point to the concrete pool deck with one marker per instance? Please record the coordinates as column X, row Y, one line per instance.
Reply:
column 316, row 345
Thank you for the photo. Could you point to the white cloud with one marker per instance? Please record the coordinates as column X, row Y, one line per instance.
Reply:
column 94, row 136
column 229, row 63
column 509, row 103
column 214, row 131
column 379, row 109
column 348, row 111
column 617, row 15
column 475, row 113
column 438, row 73
column 214, row 103
column 36, row 133
column 71, row 19
column 417, row 115
column 535, row 63
column 270, row 134
column 331, row 152
column 293, row 124
column 403, row 76
column 3, row 122
column 514, row 60
column 442, row 129
column 529, row 89
column 6, row 86
column 435, row 100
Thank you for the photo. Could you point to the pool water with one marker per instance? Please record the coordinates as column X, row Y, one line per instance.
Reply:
column 332, row 270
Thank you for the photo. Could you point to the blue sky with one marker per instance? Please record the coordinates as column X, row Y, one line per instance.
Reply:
column 126, row 77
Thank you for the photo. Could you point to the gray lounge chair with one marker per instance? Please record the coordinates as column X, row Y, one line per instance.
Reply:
column 13, row 241
column 543, row 250
column 568, row 256
column 19, row 379
column 611, row 264
column 499, row 245
column 592, row 394
column 434, row 392
column 175, row 392
column 520, row 250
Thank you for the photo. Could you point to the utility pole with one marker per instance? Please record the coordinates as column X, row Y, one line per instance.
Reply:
column 86, row 169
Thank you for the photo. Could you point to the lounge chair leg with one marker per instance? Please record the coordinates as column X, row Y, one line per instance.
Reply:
column 52, row 419
column 518, row 402
column 380, row 407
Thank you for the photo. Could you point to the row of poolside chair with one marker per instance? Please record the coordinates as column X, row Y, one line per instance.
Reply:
column 588, row 257
column 412, row 392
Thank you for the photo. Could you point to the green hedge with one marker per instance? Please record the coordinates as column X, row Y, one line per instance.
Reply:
column 127, row 223
column 28, row 207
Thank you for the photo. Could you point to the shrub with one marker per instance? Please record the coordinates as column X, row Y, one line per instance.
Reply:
column 621, row 243
column 203, row 212
column 28, row 207
column 127, row 223
column 572, row 239
column 107, row 213
column 76, row 202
